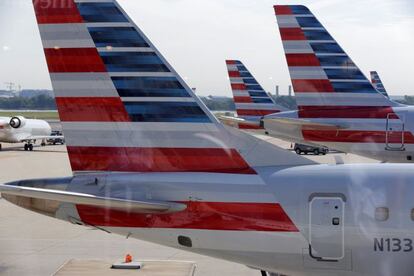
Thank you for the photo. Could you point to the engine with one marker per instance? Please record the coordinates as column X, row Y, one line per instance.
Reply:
column 17, row 122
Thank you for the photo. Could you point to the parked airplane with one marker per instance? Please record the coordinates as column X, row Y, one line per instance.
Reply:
column 151, row 162
column 21, row 130
column 251, row 100
column 337, row 105
column 377, row 83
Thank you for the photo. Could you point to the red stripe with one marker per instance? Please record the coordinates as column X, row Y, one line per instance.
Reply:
column 292, row 34
column 234, row 74
column 198, row 215
column 242, row 99
column 56, row 11
column 248, row 126
column 302, row 60
column 230, row 62
column 303, row 86
column 86, row 109
column 158, row 160
column 363, row 112
column 356, row 136
column 238, row 86
column 255, row 112
column 282, row 10
column 72, row 60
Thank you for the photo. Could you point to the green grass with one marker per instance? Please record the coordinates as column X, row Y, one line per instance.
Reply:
column 48, row 115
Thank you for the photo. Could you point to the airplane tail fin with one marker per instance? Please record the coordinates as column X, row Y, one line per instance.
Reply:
column 326, row 81
column 123, row 107
column 377, row 83
column 252, row 101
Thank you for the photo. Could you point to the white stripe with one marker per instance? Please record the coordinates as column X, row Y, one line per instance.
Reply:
column 65, row 36
column 342, row 99
column 158, row 99
column 236, row 80
column 83, row 85
column 287, row 21
column 125, row 49
column 307, row 73
column 232, row 67
column 297, row 47
column 241, row 93
column 257, row 106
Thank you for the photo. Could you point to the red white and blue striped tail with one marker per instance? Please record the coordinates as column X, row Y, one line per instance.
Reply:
column 123, row 107
column 377, row 83
column 251, row 100
column 325, row 80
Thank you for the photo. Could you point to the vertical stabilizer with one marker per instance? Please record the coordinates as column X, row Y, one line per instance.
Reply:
column 326, row 81
column 252, row 101
column 123, row 107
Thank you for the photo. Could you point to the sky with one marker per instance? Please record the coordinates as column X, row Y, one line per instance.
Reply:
column 197, row 36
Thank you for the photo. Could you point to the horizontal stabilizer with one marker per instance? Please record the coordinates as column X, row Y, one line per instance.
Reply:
column 306, row 124
column 228, row 120
column 148, row 206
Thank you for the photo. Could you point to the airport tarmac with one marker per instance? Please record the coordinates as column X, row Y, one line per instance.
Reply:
column 32, row 244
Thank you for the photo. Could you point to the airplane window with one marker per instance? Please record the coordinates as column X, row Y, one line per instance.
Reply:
column 382, row 213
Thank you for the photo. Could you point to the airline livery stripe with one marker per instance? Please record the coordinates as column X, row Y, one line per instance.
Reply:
column 366, row 112
column 247, row 112
column 248, row 126
column 238, row 86
column 302, row 60
column 234, row 74
column 282, row 10
column 121, row 159
column 292, row 34
column 242, row 99
column 74, row 60
column 303, row 86
column 94, row 109
column 56, row 11
column 198, row 215
column 357, row 136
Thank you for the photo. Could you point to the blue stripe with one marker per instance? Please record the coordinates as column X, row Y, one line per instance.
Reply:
column 298, row 9
column 326, row 48
column 258, row 94
column 309, row 22
column 100, row 12
column 345, row 74
column 241, row 68
column 166, row 112
column 262, row 100
column 250, row 81
column 353, row 87
column 133, row 62
column 253, row 87
column 336, row 61
column 245, row 75
column 149, row 87
column 116, row 37
column 317, row 35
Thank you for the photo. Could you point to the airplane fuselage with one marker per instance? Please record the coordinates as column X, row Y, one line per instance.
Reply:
column 30, row 128
column 305, row 220
column 388, row 136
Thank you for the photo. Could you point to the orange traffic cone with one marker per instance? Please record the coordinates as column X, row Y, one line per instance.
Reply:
column 128, row 258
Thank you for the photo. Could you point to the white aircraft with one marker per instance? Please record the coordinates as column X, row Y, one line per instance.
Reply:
column 21, row 130
column 151, row 162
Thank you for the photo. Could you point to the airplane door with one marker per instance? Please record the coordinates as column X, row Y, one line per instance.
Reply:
column 326, row 228
column 394, row 136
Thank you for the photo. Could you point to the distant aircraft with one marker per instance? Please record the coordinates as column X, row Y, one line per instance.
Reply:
column 377, row 83
column 21, row 130
column 338, row 107
column 251, row 100
column 151, row 162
